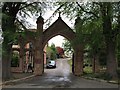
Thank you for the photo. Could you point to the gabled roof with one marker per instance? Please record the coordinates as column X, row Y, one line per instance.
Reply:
column 59, row 27
column 59, row 22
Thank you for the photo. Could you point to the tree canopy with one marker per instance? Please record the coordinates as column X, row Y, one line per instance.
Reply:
column 97, row 25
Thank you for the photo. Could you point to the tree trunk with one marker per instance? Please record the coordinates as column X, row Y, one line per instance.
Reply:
column 10, row 9
column 8, row 28
column 111, row 60
column 6, row 61
column 106, row 9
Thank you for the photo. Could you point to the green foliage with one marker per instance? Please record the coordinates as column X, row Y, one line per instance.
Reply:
column 102, row 58
column 53, row 56
column 67, row 47
column 96, row 43
column 51, row 52
column 15, row 60
column 65, row 8
column 104, row 76
column 87, row 69
column 53, row 47
column 48, row 52
column 54, row 52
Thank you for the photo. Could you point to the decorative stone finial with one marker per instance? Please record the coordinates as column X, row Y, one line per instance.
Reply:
column 40, row 19
column 40, row 13
column 59, row 14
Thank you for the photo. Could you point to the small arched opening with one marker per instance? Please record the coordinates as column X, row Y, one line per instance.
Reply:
column 29, row 57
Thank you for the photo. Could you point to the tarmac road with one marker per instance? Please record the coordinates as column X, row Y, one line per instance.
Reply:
column 60, row 77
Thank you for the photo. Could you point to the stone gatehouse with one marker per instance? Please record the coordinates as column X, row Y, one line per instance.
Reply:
column 31, row 46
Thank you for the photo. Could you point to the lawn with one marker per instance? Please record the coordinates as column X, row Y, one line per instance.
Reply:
column 86, row 69
column 87, row 72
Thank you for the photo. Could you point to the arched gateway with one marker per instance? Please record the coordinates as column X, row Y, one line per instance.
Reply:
column 41, row 37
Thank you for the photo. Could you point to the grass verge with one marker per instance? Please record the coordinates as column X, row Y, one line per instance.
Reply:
column 87, row 72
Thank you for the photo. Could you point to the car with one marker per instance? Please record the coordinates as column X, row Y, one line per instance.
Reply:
column 51, row 64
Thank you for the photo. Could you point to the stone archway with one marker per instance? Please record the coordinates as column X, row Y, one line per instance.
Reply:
column 40, row 37
column 59, row 27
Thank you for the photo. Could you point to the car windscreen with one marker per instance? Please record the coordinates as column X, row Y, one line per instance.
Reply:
column 52, row 62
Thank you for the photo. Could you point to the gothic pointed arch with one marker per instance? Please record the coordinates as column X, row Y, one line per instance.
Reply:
column 59, row 27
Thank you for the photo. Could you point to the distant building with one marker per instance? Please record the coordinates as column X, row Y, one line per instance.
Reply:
column 60, row 52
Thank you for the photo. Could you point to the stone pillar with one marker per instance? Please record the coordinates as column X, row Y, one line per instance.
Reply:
column 95, row 64
column 21, row 54
column 38, row 64
column 39, row 60
column 78, row 60
column 21, row 62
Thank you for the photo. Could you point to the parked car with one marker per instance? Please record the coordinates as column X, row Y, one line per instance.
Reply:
column 51, row 64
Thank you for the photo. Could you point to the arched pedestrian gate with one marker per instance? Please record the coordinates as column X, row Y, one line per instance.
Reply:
column 59, row 27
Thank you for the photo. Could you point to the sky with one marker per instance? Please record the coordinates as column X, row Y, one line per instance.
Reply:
column 57, row 40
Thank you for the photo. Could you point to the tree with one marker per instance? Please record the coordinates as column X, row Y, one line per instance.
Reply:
column 110, row 34
column 14, row 15
column 53, row 47
column 96, row 42
column 54, row 51
column 118, row 50
column 67, row 47
column 8, row 28
column 51, row 52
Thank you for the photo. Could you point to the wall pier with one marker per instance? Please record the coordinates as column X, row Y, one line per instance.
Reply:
column 78, row 60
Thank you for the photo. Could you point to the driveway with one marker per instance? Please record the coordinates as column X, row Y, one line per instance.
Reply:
column 60, row 77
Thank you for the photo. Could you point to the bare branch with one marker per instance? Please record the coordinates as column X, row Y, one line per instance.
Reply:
column 21, row 24
column 86, row 11
column 116, row 30
column 27, row 5
column 54, row 12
